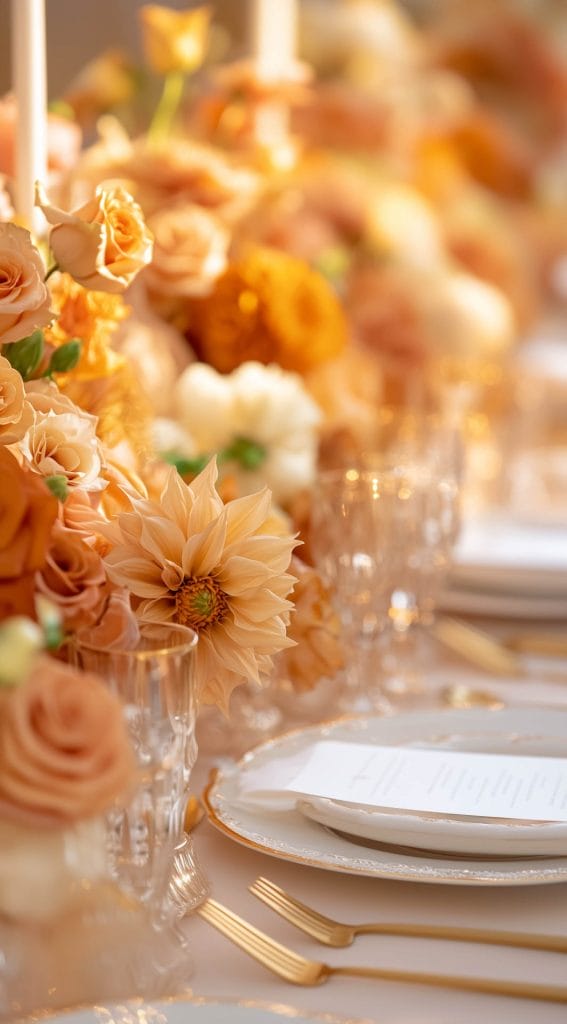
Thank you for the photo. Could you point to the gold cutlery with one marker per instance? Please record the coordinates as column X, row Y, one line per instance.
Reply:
column 484, row 651
column 548, row 644
column 477, row 647
column 461, row 696
column 298, row 970
column 334, row 933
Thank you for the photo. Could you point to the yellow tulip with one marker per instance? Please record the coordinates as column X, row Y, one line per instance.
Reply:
column 174, row 41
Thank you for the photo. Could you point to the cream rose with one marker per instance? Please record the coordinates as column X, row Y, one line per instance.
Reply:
column 16, row 414
column 24, row 298
column 64, row 748
column 103, row 244
column 62, row 441
column 190, row 251
column 40, row 867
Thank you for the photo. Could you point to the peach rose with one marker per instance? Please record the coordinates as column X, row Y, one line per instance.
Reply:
column 190, row 248
column 73, row 579
column 64, row 749
column 103, row 244
column 27, row 514
column 79, row 515
column 16, row 415
column 118, row 628
column 179, row 170
column 62, row 439
column 315, row 628
column 24, row 298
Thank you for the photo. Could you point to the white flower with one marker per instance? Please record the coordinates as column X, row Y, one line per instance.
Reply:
column 261, row 404
column 169, row 436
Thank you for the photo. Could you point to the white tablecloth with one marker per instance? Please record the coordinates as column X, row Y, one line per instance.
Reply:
column 222, row 970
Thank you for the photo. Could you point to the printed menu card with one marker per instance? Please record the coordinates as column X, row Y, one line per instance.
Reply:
column 406, row 778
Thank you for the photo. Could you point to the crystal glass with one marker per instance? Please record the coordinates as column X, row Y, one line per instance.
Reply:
column 151, row 857
column 382, row 533
column 68, row 935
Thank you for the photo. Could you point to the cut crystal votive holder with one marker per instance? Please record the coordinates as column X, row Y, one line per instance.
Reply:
column 150, row 856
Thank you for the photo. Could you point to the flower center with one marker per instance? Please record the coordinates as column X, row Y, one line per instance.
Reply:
column 200, row 603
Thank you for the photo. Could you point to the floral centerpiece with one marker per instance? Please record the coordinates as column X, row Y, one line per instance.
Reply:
column 96, row 535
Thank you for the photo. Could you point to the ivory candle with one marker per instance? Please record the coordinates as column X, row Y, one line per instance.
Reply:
column 274, row 31
column 30, row 90
column 274, row 37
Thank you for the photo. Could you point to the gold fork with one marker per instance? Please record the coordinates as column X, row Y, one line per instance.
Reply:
column 299, row 971
column 334, row 933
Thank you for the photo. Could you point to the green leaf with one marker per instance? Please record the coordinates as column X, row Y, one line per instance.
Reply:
column 25, row 355
column 49, row 618
column 183, row 465
column 62, row 109
column 58, row 485
column 248, row 453
column 333, row 263
column 65, row 357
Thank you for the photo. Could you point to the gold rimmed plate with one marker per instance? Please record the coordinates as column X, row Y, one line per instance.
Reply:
column 191, row 1010
column 290, row 835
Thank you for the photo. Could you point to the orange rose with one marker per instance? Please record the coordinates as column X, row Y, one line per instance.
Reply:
column 27, row 513
column 17, row 597
column 174, row 40
column 73, row 579
column 103, row 244
column 64, row 749
column 24, row 297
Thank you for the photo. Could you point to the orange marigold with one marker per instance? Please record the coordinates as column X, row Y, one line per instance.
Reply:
column 92, row 317
column 123, row 409
column 270, row 307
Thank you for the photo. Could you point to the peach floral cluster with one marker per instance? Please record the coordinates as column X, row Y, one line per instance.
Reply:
column 51, row 454
column 64, row 749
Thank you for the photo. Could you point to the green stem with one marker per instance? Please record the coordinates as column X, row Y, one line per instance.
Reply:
column 167, row 107
column 51, row 271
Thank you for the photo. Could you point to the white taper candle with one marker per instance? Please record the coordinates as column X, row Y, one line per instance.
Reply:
column 30, row 89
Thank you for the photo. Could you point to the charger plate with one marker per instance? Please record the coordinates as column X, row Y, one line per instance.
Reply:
column 290, row 835
column 188, row 1010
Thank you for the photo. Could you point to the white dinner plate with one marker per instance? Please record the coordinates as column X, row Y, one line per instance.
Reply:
column 439, row 833
column 291, row 835
column 502, row 605
column 194, row 1011
column 503, row 556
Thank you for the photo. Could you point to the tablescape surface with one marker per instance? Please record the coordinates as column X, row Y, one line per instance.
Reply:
column 298, row 970
column 339, row 935
column 188, row 1009
column 291, row 835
